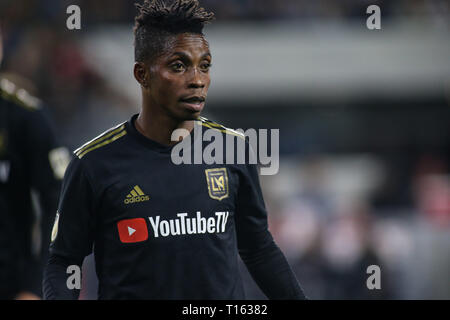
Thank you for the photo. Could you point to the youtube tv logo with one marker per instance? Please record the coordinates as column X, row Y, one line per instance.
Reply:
column 132, row 230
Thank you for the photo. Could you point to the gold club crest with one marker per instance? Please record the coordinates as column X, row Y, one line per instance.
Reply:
column 217, row 183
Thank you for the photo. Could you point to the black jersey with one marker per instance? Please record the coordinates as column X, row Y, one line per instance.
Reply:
column 160, row 230
column 30, row 159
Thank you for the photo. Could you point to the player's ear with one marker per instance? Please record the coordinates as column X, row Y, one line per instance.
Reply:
column 141, row 74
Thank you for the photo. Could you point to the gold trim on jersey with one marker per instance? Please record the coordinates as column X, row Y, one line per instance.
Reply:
column 100, row 137
column 101, row 140
column 215, row 126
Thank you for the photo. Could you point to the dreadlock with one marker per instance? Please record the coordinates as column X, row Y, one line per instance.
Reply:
column 159, row 20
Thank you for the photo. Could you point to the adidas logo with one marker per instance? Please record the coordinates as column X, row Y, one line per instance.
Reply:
column 136, row 195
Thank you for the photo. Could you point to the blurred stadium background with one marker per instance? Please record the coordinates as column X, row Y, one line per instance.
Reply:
column 364, row 120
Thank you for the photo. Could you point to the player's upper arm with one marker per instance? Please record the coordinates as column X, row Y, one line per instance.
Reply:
column 251, row 215
column 73, row 230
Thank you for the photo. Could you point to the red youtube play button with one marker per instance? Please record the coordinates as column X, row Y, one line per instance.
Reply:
column 132, row 230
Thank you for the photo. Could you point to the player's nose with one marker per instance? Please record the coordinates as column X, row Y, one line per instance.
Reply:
column 197, row 79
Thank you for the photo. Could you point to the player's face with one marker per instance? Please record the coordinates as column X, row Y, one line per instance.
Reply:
column 179, row 80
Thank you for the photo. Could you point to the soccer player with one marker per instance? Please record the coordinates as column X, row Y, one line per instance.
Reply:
column 161, row 230
column 30, row 159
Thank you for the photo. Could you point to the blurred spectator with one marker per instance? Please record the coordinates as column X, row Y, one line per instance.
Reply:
column 432, row 189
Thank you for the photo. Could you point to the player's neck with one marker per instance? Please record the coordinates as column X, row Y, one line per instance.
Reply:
column 159, row 128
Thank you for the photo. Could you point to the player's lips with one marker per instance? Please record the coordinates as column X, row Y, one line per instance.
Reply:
column 195, row 103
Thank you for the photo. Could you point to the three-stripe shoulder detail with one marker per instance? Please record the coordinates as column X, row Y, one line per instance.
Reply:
column 216, row 126
column 18, row 96
column 103, row 139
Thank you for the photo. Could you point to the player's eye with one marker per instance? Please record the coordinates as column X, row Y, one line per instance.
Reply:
column 177, row 66
column 205, row 66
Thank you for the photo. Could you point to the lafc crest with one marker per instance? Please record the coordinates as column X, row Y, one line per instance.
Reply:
column 217, row 183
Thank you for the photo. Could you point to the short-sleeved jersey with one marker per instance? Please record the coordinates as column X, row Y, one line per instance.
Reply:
column 159, row 230
column 30, row 159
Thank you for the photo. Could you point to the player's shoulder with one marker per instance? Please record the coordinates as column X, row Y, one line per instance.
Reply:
column 210, row 124
column 107, row 138
column 18, row 96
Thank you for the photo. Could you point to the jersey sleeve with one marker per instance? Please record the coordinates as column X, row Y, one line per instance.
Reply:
column 251, row 214
column 73, row 229
column 264, row 259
